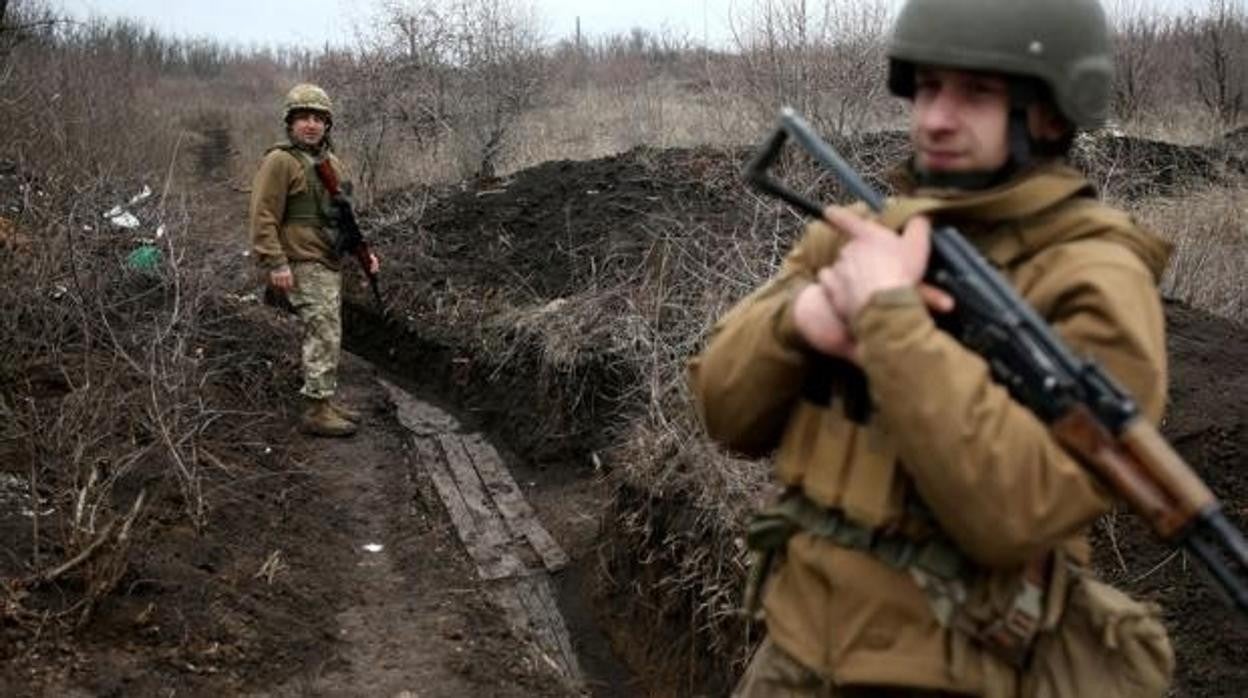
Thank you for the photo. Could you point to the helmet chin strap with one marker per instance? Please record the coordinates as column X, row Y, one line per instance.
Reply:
column 1018, row 139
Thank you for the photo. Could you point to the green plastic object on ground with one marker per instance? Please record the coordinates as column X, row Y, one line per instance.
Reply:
column 143, row 258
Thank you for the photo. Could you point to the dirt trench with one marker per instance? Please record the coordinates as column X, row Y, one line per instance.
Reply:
column 558, row 478
column 279, row 598
column 563, row 231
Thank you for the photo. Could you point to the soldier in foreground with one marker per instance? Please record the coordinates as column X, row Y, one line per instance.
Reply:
column 932, row 538
column 294, row 230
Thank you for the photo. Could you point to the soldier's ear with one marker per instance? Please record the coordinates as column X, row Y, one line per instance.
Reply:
column 1047, row 123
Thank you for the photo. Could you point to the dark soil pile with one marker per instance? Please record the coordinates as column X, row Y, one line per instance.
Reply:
column 476, row 275
column 558, row 227
column 470, row 270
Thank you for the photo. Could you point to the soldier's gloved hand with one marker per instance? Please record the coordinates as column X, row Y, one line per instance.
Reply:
column 877, row 259
column 282, row 279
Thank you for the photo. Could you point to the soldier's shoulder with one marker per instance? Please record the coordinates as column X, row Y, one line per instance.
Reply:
column 279, row 151
column 1114, row 237
column 279, row 158
column 1094, row 210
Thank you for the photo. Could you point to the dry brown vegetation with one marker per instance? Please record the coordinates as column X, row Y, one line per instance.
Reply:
column 122, row 389
column 125, row 378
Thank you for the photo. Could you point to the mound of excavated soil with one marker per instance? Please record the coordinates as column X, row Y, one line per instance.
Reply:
column 555, row 228
column 567, row 228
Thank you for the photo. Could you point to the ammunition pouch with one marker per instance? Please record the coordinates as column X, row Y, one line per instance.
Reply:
column 1106, row 644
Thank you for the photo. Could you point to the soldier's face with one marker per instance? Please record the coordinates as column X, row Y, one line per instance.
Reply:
column 308, row 127
column 958, row 120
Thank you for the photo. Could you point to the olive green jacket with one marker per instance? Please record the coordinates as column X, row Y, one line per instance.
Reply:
column 942, row 430
column 276, row 239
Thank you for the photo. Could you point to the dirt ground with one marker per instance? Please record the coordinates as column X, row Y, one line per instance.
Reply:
column 278, row 595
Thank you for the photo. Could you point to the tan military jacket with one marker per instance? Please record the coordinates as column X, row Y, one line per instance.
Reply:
column 942, row 431
column 274, row 241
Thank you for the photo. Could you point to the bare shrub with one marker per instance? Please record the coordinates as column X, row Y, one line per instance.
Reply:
column 1138, row 57
column 122, row 387
column 107, row 371
column 824, row 59
column 1221, row 46
column 439, row 79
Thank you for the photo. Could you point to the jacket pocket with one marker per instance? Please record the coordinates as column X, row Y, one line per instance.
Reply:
column 1107, row 645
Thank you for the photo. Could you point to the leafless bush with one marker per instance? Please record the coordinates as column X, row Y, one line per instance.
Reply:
column 825, row 59
column 1138, row 57
column 448, row 79
column 1173, row 72
column 1222, row 60
column 107, row 370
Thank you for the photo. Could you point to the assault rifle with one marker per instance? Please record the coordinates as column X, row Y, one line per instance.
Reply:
column 350, row 239
column 1090, row 415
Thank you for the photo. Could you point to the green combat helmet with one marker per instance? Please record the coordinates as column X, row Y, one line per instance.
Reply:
column 308, row 97
column 1064, row 44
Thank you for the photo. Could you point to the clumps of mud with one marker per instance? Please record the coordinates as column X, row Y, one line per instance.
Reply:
column 559, row 306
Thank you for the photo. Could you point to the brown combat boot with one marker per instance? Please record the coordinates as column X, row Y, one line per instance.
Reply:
column 350, row 414
column 320, row 419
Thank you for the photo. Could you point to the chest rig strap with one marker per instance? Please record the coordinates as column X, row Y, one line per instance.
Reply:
column 936, row 564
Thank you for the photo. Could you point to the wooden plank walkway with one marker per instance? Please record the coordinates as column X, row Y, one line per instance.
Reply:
column 499, row 529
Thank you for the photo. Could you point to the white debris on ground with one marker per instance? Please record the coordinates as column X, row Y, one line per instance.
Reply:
column 15, row 492
column 121, row 217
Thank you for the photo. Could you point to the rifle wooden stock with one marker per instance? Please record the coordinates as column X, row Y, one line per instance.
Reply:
column 329, row 178
column 1141, row 468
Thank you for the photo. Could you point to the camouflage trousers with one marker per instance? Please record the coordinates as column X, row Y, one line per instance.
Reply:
column 774, row 673
column 317, row 298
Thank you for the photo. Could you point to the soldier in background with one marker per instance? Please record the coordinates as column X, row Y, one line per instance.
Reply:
column 293, row 236
column 932, row 538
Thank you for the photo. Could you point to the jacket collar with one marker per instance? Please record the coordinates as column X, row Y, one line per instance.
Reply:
column 1050, row 203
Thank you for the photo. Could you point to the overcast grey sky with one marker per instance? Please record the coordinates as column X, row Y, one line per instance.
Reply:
column 313, row 22
column 317, row 21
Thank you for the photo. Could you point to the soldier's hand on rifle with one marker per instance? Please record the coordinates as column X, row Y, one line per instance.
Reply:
column 282, row 279
column 374, row 264
column 877, row 259
column 819, row 323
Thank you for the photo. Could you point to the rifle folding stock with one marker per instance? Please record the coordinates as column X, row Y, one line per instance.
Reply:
column 1088, row 413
